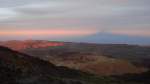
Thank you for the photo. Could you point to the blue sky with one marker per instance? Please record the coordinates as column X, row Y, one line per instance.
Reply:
column 123, row 21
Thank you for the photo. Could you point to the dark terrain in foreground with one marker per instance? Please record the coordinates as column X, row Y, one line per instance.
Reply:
column 18, row 68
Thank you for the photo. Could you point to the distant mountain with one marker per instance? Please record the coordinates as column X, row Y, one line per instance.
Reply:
column 115, row 39
column 101, row 59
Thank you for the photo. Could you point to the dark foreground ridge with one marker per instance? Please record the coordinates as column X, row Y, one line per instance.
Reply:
column 18, row 68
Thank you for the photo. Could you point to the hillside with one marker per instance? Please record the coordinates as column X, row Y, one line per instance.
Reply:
column 101, row 59
column 18, row 68
column 99, row 65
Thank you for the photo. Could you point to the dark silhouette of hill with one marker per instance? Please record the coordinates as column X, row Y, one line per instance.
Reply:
column 18, row 68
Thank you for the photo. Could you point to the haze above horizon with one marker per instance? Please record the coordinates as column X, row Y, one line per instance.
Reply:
column 96, row 21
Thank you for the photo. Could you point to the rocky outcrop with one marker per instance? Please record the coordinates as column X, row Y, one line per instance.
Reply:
column 21, row 45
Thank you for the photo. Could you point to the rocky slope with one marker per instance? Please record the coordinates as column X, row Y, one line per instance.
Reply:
column 99, row 65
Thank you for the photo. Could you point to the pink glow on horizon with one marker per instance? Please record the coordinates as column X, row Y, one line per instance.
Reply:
column 49, row 32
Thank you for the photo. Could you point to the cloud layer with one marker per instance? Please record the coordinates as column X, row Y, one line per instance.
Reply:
column 120, row 17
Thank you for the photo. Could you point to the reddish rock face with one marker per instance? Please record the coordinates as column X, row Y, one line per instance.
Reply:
column 21, row 45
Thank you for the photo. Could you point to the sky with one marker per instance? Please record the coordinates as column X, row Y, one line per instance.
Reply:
column 98, row 21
